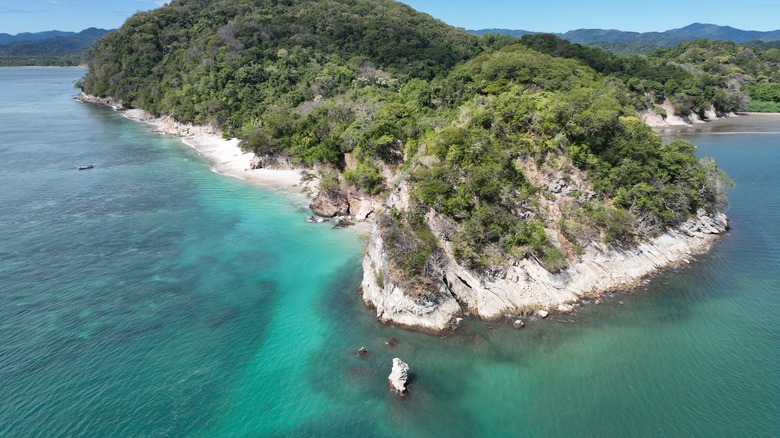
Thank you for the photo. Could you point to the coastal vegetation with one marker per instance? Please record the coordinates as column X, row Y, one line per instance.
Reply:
column 513, row 149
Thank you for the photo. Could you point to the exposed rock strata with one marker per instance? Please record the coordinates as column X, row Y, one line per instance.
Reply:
column 107, row 101
column 394, row 305
column 527, row 286
column 522, row 289
column 670, row 120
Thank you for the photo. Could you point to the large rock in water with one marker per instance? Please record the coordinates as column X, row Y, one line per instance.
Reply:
column 398, row 376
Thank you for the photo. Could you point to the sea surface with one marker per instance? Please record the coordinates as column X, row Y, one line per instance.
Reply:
column 151, row 297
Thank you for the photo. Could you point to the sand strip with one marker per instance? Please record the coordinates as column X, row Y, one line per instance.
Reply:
column 225, row 155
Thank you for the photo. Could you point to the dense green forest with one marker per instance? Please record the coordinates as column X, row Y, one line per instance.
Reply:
column 475, row 126
column 694, row 76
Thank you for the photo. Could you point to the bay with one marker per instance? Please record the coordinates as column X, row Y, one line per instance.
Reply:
column 151, row 297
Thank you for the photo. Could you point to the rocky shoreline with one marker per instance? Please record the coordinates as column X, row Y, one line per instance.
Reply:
column 658, row 121
column 526, row 288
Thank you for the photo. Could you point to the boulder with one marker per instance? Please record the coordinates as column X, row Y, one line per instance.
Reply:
column 565, row 308
column 518, row 324
column 330, row 203
column 398, row 376
column 542, row 313
column 362, row 207
column 343, row 223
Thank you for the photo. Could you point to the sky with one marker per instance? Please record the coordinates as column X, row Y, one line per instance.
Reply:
column 538, row 15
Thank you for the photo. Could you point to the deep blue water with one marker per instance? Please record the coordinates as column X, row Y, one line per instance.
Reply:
column 151, row 297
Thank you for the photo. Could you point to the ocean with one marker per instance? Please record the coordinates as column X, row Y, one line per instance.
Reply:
column 149, row 296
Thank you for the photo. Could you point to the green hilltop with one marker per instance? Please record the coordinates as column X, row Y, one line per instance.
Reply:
column 377, row 97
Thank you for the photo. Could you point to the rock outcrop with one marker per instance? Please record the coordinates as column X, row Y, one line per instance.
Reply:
column 398, row 376
column 271, row 162
column 107, row 101
column 670, row 120
column 330, row 203
column 526, row 286
column 394, row 305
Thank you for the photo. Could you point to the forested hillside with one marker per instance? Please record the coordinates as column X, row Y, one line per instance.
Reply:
column 693, row 76
column 518, row 153
column 228, row 62
column 732, row 66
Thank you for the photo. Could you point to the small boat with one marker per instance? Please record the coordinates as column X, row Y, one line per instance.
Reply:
column 86, row 166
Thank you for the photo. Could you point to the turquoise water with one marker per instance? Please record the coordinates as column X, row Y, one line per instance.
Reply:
column 151, row 297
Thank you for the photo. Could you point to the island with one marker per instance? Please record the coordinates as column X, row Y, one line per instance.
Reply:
column 502, row 178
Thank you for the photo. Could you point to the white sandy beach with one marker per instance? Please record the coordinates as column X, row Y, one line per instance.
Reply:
column 225, row 156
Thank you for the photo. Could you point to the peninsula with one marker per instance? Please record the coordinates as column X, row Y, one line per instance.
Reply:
column 501, row 180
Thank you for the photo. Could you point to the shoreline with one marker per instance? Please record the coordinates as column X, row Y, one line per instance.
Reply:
column 223, row 155
column 737, row 123
column 69, row 67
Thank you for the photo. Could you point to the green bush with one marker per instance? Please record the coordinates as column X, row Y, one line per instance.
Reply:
column 366, row 176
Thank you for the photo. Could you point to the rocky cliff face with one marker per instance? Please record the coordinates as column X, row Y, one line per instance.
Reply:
column 331, row 203
column 526, row 287
column 394, row 305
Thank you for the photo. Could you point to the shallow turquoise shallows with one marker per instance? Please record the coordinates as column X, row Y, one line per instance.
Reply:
column 149, row 296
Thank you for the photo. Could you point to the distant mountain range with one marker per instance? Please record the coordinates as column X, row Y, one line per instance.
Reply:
column 668, row 38
column 37, row 36
column 50, row 43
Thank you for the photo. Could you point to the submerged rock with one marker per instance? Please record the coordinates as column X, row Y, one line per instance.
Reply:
column 398, row 376
column 343, row 223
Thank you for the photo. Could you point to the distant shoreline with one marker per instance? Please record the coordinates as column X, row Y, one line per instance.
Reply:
column 67, row 67
column 740, row 123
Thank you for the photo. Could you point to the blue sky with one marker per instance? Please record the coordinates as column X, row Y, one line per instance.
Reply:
column 539, row 15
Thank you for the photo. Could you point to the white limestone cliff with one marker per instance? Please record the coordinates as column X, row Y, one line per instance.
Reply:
column 526, row 286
